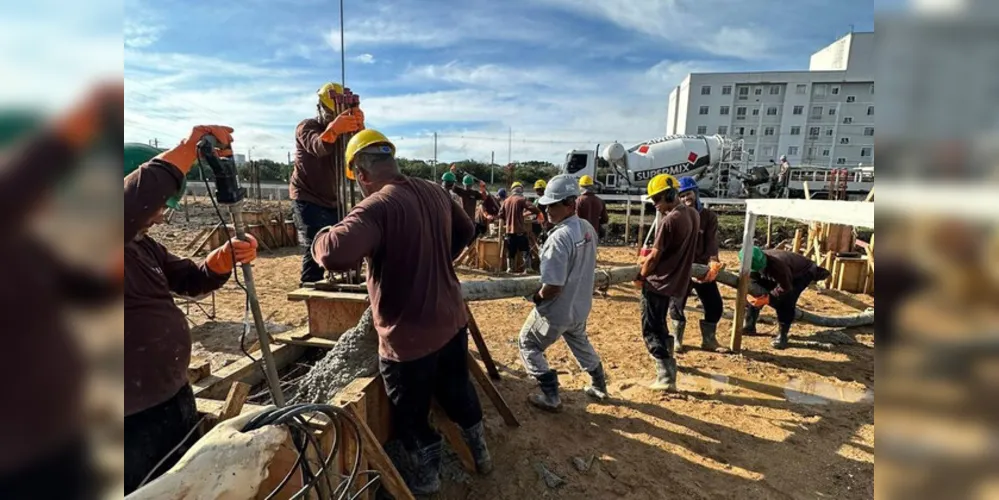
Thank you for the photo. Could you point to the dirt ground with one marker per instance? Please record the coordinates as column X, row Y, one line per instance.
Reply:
column 797, row 424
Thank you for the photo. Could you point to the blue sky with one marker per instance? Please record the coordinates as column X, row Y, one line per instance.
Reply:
column 562, row 74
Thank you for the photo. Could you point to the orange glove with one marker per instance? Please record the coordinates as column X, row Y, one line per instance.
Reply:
column 81, row 125
column 759, row 302
column 184, row 155
column 713, row 269
column 541, row 217
column 346, row 123
column 220, row 260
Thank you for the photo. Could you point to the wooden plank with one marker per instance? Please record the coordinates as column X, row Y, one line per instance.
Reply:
column 741, row 302
column 452, row 433
column 217, row 385
column 848, row 213
column 869, row 282
column 213, row 407
column 641, row 226
column 870, row 196
column 627, row 224
column 303, row 294
column 198, row 370
column 808, row 191
column 492, row 392
column 295, row 337
column 770, row 231
column 391, row 479
column 207, row 238
column 197, row 239
column 830, row 260
column 238, row 394
column 480, row 345
column 328, row 319
column 798, row 236
column 352, row 399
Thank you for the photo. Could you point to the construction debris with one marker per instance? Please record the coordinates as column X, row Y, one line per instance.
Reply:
column 583, row 465
column 551, row 480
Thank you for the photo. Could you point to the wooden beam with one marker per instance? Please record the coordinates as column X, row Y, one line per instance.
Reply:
column 391, row 478
column 770, row 231
column 208, row 237
column 480, row 345
column 233, row 407
column 217, row 385
column 452, row 433
column 641, row 227
column 627, row 223
column 301, row 337
column 847, row 213
column 198, row 370
column 213, row 407
column 870, row 196
column 354, row 400
column 492, row 392
column 743, row 290
column 808, row 191
column 798, row 236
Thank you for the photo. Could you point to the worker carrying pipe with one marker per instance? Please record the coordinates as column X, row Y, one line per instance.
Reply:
column 665, row 274
column 410, row 232
column 706, row 253
column 563, row 304
column 319, row 144
column 786, row 275
column 160, row 411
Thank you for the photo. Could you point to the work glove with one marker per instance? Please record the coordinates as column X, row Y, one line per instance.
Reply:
column 82, row 124
column 348, row 122
column 759, row 302
column 713, row 269
column 184, row 155
column 220, row 261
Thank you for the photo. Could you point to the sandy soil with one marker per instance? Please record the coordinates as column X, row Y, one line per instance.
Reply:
column 797, row 424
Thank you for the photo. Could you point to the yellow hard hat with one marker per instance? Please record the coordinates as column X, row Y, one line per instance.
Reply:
column 516, row 185
column 586, row 181
column 326, row 93
column 362, row 140
column 662, row 183
column 541, row 184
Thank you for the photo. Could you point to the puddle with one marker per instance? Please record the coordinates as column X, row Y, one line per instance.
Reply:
column 799, row 391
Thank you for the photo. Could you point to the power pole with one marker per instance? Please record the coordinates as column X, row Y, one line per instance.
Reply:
column 435, row 158
column 492, row 169
column 289, row 157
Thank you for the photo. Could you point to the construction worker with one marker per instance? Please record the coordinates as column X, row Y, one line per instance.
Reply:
column 562, row 306
column 665, row 274
column 517, row 242
column 410, row 232
column 591, row 207
column 706, row 288
column 784, row 178
column 44, row 451
column 160, row 408
column 313, row 187
column 502, row 195
column 540, row 226
column 786, row 275
column 448, row 180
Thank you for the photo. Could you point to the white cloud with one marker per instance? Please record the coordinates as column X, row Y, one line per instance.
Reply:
column 137, row 35
column 364, row 59
column 494, row 75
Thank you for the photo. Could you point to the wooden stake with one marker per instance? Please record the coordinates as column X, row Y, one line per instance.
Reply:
column 208, row 237
column 796, row 248
column 480, row 344
column 627, row 223
column 492, row 393
column 808, row 191
column 641, row 227
column 238, row 394
column 391, row 478
column 453, row 436
column 770, row 231
column 870, row 196
column 743, row 290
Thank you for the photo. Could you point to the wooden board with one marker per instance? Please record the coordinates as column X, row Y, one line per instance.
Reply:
column 217, row 385
column 330, row 319
column 233, row 406
column 488, row 257
column 301, row 337
column 198, row 370
column 851, row 274
column 492, row 392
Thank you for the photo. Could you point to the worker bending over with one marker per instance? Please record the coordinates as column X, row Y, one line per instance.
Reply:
column 517, row 242
column 591, row 208
column 665, row 274
column 313, row 187
column 410, row 232
column 562, row 306
column 707, row 290
column 160, row 409
column 786, row 275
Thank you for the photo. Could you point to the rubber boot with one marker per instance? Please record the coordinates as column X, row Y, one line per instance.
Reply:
column 666, row 370
column 528, row 263
column 548, row 400
column 781, row 342
column 598, row 387
column 752, row 316
column 511, row 263
column 475, row 438
column 426, row 478
column 709, row 339
column 679, row 330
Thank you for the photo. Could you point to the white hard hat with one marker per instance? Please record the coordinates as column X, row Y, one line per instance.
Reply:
column 560, row 188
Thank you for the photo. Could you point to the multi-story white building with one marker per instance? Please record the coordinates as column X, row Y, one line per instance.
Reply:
column 822, row 117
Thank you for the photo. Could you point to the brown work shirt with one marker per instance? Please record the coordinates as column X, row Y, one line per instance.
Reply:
column 410, row 231
column 157, row 338
column 314, row 179
column 707, row 238
column 591, row 208
column 43, row 369
column 469, row 199
column 512, row 212
column 676, row 240
column 784, row 268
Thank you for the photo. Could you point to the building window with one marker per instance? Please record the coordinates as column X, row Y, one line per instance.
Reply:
column 703, row 129
column 795, row 130
column 817, row 111
column 752, row 151
column 772, row 111
column 792, row 151
column 844, row 141
column 841, row 161
column 869, row 132
column 769, row 131
column 866, row 152
column 774, row 90
column 726, row 110
column 740, row 113
column 770, row 151
column 722, row 130
column 847, row 120
column 727, row 90
column 826, row 152
column 815, row 131
column 705, row 110
column 811, row 152
column 829, row 132
column 870, row 111
column 758, row 91
column 756, row 111
column 832, row 111
column 851, row 98
column 820, row 90
column 741, row 131
column 744, row 91
column 799, row 110
column 706, row 90
column 752, row 131
column 835, row 90
column 802, row 89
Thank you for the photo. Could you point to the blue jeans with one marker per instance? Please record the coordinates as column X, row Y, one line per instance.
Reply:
column 310, row 219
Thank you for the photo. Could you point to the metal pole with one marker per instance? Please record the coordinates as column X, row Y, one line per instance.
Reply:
column 270, row 369
column 492, row 169
column 343, row 52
